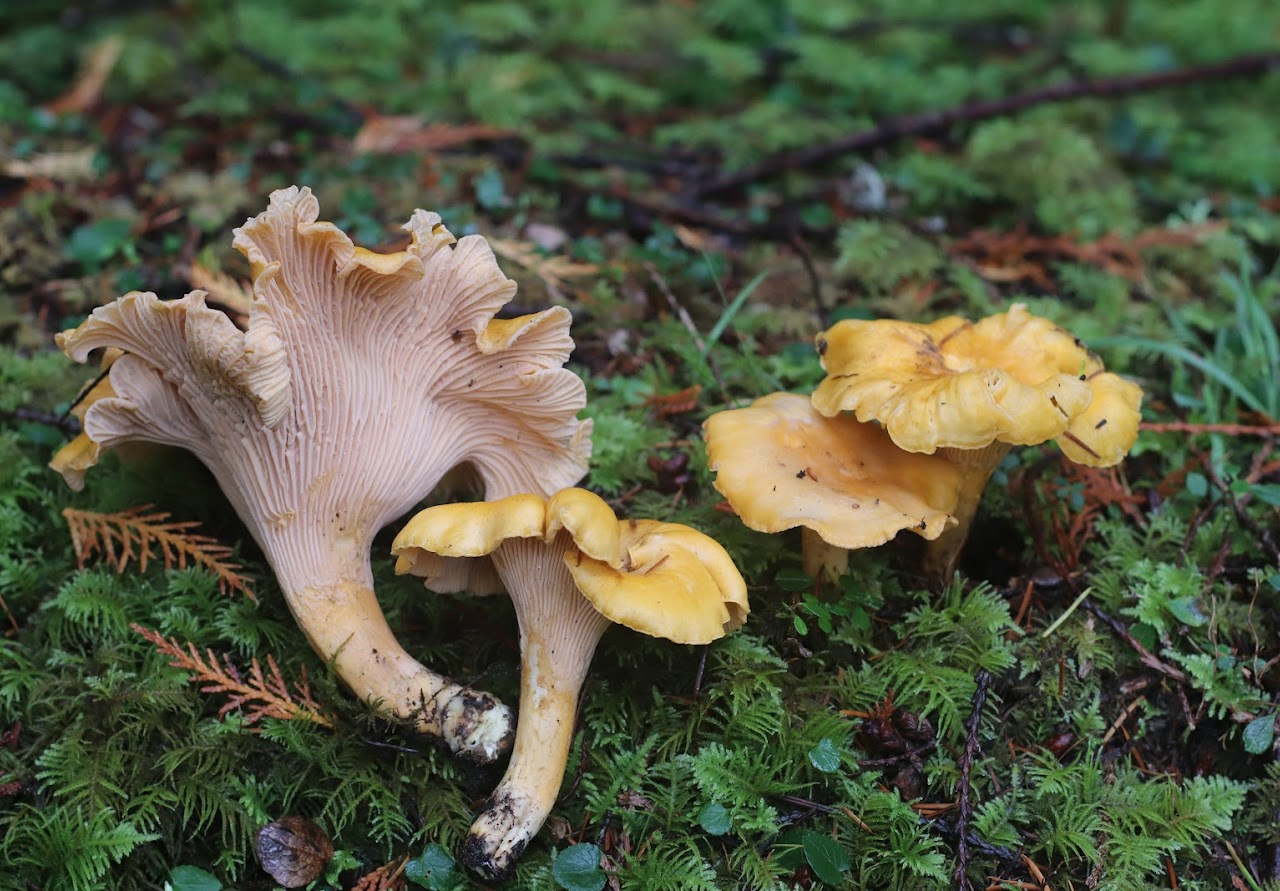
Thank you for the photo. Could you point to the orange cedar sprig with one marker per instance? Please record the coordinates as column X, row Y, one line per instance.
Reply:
column 135, row 534
column 388, row 877
column 263, row 695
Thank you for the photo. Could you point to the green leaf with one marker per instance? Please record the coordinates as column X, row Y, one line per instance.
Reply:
column 793, row 580
column 1267, row 492
column 801, row 626
column 826, row 858
column 95, row 243
column 577, row 868
column 193, row 878
column 714, row 819
column 490, row 191
column 340, row 862
column 1144, row 634
column 432, row 869
column 1197, row 484
column 824, row 756
column 1259, row 734
column 1187, row 611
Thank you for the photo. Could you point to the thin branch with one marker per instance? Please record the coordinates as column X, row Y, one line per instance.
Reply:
column 1262, row 535
column 906, row 126
column 967, row 757
column 64, row 422
column 1227, row 429
column 815, row 283
column 770, row 230
column 263, row 694
column 1147, row 658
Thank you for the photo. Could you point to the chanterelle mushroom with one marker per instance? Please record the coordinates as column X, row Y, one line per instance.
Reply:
column 571, row 569
column 360, row 380
column 781, row 464
column 970, row 391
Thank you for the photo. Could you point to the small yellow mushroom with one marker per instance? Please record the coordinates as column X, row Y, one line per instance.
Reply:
column 572, row 569
column 781, row 464
column 970, row 391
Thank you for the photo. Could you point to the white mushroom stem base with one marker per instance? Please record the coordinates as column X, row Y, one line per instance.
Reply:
column 344, row 624
column 473, row 724
column 976, row 466
column 821, row 561
column 559, row 630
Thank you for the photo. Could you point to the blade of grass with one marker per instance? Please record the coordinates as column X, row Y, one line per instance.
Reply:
column 731, row 310
column 1184, row 355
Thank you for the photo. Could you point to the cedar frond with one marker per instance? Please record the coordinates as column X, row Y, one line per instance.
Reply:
column 263, row 695
column 134, row 534
column 388, row 877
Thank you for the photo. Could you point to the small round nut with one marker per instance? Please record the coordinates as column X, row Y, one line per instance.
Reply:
column 293, row 850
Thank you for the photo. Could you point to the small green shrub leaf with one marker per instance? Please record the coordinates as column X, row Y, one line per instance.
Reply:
column 824, row 756
column 1259, row 734
column 793, row 580
column 1187, row 611
column 577, row 868
column 714, row 819
column 1267, row 492
column 193, row 878
column 432, row 869
column 826, row 858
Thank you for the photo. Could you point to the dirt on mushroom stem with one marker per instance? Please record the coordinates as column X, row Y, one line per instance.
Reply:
column 559, row 631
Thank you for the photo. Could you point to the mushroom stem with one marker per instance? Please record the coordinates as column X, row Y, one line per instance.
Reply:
column 559, row 630
column 328, row 586
column 976, row 466
column 820, row 560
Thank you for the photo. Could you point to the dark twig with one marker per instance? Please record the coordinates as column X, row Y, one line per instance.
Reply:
column 1148, row 658
column 1262, row 535
column 815, row 283
column 947, row 830
column 976, row 844
column 62, row 422
column 891, row 760
column 85, row 391
column 942, row 119
column 702, row 667
column 685, row 319
column 670, row 211
column 967, row 758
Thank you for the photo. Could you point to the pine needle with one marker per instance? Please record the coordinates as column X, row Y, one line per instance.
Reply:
column 135, row 533
column 262, row 695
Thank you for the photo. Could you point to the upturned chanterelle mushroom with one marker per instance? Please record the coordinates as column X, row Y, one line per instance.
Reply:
column 781, row 464
column 971, row 391
column 571, row 568
column 360, row 380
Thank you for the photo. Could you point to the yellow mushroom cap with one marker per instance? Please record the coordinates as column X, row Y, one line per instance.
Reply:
column 672, row 582
column 781, row 464
column 77, row 456
column 661, row 579
column 1012, row 377
column 1103, row 433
